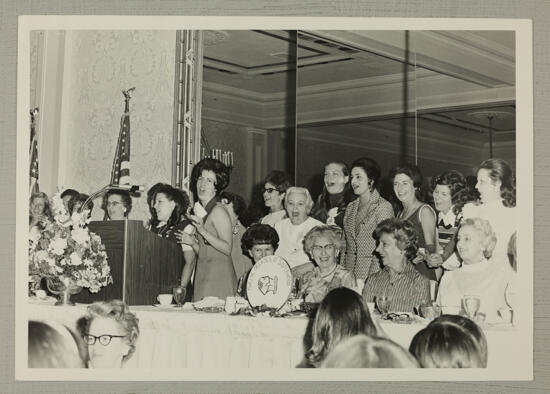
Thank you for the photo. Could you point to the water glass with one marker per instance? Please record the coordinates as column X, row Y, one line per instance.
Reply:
column 471, row 304
column 179, row 293
column 383, row 303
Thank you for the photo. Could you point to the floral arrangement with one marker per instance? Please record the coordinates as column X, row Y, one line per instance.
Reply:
column 65, row 248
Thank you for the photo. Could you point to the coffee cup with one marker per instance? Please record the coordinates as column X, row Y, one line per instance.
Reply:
column 164, row 299
column 506, row 314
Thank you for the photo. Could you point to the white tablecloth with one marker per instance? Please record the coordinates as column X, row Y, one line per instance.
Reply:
column 178, row 338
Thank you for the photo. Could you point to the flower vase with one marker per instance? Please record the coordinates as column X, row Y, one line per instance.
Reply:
column 64, row 288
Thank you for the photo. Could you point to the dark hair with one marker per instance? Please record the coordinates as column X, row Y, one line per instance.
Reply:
column 371, row 168
column 52, row 345
column 512, row 252
column 47, row 207
column 69, row 192
column 341, row 314
column 80, row 198
column 404, row 233
column 259, row 234
column 500, row 170
column 413, row 172
column 152, row 191
column 181, row 200
column 118, row 311
column 450, row 341
column 323, row 201
column 279, row 179
column 363, row 351
column 239, row 205
column 124, row 196
column 221, row 171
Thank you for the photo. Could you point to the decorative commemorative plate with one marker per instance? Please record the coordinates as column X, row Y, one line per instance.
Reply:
column 269, row 282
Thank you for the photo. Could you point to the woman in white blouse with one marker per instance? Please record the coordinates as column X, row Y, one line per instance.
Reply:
column 292, row 230
column 481, row 274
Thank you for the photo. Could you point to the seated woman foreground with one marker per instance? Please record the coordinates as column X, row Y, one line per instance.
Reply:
column 323, row 244
column 480, row 275
column 110, row 330
column 406, row 287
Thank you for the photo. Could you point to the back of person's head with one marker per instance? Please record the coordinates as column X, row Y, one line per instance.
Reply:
column 52, row 345
column 363, row 351
column 239, row 205
column 341, row 314
column 450, row 341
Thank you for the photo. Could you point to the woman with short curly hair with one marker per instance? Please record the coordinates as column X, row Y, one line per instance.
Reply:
column 110, row 330
column 406, row 287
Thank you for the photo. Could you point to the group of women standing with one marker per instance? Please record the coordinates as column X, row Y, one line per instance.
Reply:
column 210, row 233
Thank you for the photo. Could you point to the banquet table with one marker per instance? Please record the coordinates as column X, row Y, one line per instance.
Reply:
column 184, row 338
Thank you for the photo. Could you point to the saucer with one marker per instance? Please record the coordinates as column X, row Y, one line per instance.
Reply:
column 169, row 306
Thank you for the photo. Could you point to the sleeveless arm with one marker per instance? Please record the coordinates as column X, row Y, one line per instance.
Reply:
column 221, row 222
column 427, row 219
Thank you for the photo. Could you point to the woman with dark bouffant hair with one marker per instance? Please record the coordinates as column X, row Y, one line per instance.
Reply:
column 497, row 189
column 407, row 183
column 276, row 183
column 110, row 330
column 450, row 341
column 336, row 195
column 341, row 314
column 170, row 207
column 361, row 218
column 450, row 193
column 214, row 275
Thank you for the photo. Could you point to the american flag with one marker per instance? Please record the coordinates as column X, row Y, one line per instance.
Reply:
column 33, row 171
column 120, row 174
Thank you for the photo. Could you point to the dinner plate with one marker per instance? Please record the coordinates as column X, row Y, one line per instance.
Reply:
column 269, row 282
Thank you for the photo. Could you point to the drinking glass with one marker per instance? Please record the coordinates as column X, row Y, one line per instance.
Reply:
column 471, row 304
column 383, row 303
column 179, row 294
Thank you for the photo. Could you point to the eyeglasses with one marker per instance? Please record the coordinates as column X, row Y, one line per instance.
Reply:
column 329, row 248
column 270, row 190
column 104, row 339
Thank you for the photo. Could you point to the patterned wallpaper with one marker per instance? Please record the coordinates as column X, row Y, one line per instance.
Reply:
column 99, row 65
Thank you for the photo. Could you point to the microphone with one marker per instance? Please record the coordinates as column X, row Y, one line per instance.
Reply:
column 131, row 188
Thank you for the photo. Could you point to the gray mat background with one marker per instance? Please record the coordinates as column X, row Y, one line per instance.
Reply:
column 538, row 11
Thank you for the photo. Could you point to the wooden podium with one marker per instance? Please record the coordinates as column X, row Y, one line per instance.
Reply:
column 143, row 265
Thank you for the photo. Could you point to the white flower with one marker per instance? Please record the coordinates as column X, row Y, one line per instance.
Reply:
column 332, row 212
column 58, row 245
column 75, row 259
column 80, row 235
column 41, row 255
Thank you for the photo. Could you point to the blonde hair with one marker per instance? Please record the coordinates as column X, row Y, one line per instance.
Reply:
column 362, row 351
column 484, row 228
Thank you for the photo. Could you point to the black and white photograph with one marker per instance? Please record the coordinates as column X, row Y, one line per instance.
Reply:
column 232, row 198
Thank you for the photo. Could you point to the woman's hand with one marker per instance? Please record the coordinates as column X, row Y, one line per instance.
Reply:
column 198, row 223
column 184, row 238
column 434, row 260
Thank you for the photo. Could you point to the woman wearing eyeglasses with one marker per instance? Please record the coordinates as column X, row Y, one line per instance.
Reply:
column 110, row 330
column 117, row 204
column 323, row 244
column 275, row 187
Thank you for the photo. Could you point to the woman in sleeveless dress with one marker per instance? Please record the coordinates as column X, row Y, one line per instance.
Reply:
column 407, row 180
column 214, row 275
